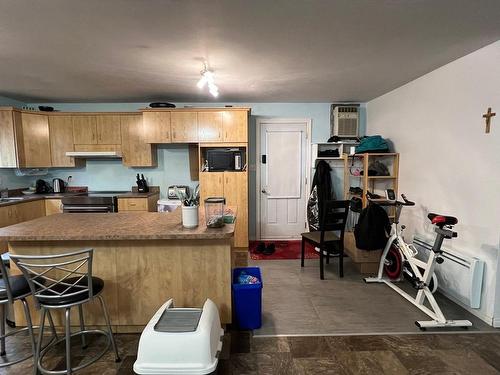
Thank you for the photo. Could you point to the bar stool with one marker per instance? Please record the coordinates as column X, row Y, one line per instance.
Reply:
column 64, row 281
column 16, row 288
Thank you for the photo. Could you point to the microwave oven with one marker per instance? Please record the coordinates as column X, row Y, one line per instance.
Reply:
column 224, row 160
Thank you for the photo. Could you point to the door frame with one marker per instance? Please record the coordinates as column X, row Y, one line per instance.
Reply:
column 307, row 182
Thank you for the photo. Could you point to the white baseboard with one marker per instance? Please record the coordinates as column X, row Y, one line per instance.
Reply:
column 496, row 323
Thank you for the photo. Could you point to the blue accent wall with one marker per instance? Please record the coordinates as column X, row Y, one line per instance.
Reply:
column 173, row 160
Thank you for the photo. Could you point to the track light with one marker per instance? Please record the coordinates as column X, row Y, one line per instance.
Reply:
column 207, row 79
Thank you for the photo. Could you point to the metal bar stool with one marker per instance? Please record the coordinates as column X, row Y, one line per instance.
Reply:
column 16, row 288
column 64, row 281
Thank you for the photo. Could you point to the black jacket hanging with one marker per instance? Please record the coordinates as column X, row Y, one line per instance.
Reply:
column 321, row 191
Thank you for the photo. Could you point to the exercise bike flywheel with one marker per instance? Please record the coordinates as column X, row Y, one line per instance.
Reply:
column 393, row 264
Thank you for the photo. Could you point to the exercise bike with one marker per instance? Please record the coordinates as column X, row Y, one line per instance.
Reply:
column 399, row 259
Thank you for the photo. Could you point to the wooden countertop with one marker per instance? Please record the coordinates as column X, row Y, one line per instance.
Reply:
column 112, row 226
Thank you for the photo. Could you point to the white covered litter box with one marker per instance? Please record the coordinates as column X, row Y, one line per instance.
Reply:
column 180, row 341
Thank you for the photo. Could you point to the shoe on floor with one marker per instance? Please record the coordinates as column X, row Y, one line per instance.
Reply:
column 270, row 249
column 261, row 247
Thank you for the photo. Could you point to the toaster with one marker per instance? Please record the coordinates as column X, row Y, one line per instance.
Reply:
column 171, row 191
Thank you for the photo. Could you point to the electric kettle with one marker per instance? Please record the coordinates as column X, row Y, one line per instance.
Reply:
column 58, row 185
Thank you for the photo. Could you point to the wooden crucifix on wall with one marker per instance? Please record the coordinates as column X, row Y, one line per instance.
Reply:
column 488, row 115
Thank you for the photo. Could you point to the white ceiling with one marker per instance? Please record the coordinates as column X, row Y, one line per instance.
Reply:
column 261, row 50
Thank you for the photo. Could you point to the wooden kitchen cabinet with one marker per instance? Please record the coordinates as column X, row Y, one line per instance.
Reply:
column 19, row 212
column 33, row 142
column 235, row 126
column 136, row 152
column 157, row 127
column 234, row 187
column 8, row 147
column 61, row 141
column 53, row 206
column 210, row 126
column 211, row 185
column 236, row 194
column 108, row 130
column 84, row 130
column 141, row 204
column 184, row 127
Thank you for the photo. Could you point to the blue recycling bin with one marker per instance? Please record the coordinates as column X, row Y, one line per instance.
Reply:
column 247, row 299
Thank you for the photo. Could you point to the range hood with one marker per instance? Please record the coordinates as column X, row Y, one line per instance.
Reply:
column 94, row 154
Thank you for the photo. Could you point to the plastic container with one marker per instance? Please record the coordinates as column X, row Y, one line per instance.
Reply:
column 167, row 205
column 175, row 346
column 214, row 212
column 247, row 299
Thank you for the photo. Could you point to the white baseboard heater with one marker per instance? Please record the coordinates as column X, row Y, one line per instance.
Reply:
column 459, row 276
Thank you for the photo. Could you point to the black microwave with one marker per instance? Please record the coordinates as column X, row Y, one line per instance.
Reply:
column 224, row 160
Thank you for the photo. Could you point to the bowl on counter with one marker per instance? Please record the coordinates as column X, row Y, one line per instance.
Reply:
column 28, row 192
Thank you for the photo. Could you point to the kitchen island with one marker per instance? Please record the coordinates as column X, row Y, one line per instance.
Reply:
column 145, row 258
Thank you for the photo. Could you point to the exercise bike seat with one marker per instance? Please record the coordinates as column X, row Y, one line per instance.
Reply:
column 442, row 220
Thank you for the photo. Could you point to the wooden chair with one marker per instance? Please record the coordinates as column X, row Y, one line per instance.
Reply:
column 333, row 219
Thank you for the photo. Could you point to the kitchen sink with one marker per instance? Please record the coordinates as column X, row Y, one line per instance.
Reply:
column 11, row 199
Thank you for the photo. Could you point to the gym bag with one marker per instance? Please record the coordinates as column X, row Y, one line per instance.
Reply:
column 371, row 231
column 373, row 143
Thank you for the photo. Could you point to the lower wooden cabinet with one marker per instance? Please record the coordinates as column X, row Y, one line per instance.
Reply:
column 234, row 187
column 19, row 212
column 142, row 204
column 53, row 206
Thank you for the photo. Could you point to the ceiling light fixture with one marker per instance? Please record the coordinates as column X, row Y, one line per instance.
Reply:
column 207, row 78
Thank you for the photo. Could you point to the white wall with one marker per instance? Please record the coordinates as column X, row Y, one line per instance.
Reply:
column 448, row 164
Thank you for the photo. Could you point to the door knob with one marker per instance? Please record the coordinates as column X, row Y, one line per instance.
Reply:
column 264, row 191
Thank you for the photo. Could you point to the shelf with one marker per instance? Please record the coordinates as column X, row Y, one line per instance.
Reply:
column 381, row 177
column 329, row 158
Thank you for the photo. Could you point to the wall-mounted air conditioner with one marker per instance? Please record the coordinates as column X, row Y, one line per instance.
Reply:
column 344, row 121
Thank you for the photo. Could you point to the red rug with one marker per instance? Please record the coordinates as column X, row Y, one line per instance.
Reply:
column 284, row 250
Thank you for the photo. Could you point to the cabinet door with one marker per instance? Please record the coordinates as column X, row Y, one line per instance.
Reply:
column 210, row 126
column 235, row 126
column 8, row 156
column 236, row 194
column 136, row 152
column 108, row 130
column 157, row 127
column 53, row 206
column 61, row 141
column 84, row 130
column 33, row 141
column 184, row 127
column 211, row 185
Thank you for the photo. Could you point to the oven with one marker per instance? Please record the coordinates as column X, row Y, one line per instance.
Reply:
column 92, row 202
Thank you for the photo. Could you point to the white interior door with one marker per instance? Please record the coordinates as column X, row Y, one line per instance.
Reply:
column 283, row 152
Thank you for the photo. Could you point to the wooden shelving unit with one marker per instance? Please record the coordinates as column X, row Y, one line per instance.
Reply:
column 374, row 184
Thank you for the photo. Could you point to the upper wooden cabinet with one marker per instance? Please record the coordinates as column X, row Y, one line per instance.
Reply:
column 235, row 126
column 61, row 141
column 33, row 143
column 8, row 147
column 184, row 127
column 135, row 151
column 84, row 130
column 108, row 130
column 157, row 127
column 99, row 129
column 210, row 126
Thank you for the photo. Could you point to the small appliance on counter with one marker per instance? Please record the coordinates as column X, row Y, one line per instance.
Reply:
column 58, row 185
column 42, row 187
column 214, row 212
column 142, row 184
column 183, row 189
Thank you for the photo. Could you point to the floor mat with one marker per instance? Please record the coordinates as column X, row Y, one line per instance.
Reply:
column 284, row 250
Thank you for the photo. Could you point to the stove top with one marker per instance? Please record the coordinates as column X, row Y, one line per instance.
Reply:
column 104, row 193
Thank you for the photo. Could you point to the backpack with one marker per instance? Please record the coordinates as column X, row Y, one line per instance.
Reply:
column 373, row 143
column 371, row 231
